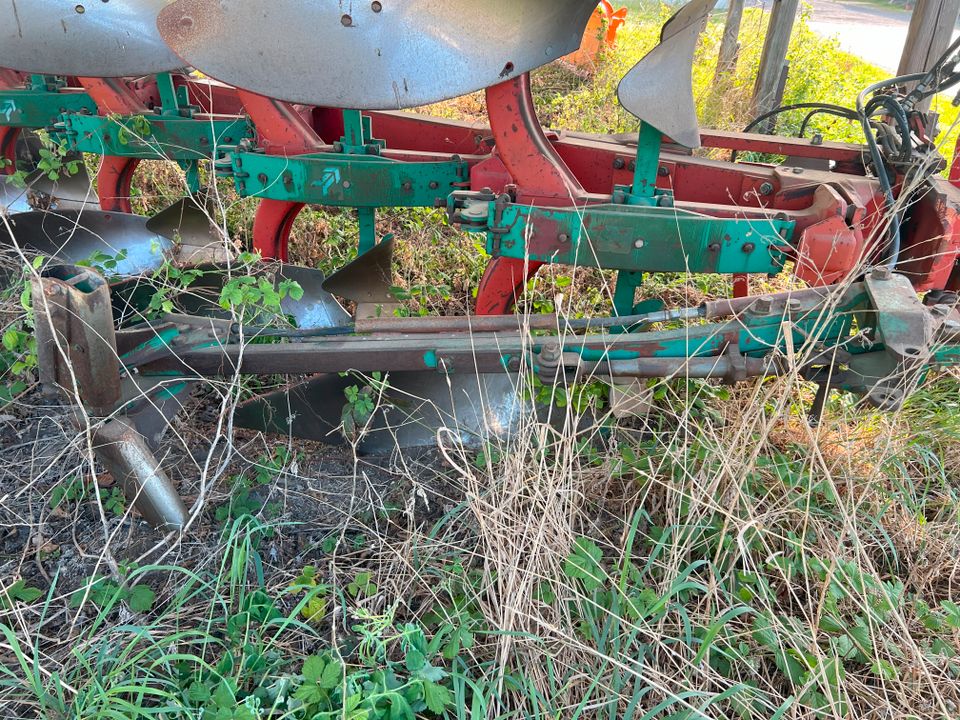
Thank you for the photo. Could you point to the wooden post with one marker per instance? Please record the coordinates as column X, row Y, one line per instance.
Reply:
column 730, row 45
column 929, row 35
column 773, row 60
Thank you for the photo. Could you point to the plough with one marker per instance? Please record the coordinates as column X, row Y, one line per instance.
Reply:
column 867, row 229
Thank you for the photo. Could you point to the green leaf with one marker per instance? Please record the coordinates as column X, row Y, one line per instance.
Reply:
column 313, row 668
column 583, row 564
column 437, row 697
column 331, row 676
column 884, row 669
column 141, row 598
column 311, row 694
column 19, row 592
column 224, row 696
column 198, row 692
column 11, row 340
column 399, row 708
column 415, row 661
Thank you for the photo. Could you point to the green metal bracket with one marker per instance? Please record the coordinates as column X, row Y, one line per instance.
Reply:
column 46, row 83
column 38, row 106
column 625, row 294
column 648, row 161
column 358, row 135
column 633, row 238
column 191, row 169
column 360, row 181
column 367, row 220
column 170, row 101
column 154, row 137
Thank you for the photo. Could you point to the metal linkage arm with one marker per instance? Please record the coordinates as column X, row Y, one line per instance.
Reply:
column 873, row 338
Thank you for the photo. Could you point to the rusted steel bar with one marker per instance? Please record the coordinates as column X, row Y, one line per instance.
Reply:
column 731, row 307
column 75, row 335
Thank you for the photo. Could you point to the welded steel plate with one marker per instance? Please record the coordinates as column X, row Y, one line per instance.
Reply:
column 77, row 236
column 371, row 55
column 659, row 88
column 94, row 38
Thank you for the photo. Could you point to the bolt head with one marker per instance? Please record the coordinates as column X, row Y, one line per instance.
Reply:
column 766, row 188
column 638, row 243
column 762, row 305
column 881, row 272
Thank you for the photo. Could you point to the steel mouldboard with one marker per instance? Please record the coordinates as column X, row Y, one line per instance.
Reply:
column 371, row 55
column 86, row 38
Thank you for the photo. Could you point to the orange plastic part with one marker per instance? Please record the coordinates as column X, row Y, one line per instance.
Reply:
column 601, row 34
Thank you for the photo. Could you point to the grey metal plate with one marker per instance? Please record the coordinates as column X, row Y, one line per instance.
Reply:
column 371, row 55
column 94, row 38
column 70, row 192
column 368, row 278
column 74, row 236
column 41, row 193
column 317, row 309
column 473, row 408
column 659, row 88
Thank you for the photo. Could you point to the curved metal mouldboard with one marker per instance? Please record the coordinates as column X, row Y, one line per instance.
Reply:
column 659, row 88
column 76, row 236
column 39, row 192
column 73, row 192
column 384, row 54
column 87, row 38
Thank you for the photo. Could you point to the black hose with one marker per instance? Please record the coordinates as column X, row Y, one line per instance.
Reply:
column 877, row 158
column 847, row 115
column 824, row 107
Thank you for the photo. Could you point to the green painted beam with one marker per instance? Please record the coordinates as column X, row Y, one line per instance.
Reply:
column 41, row 108
column 153, row 137
column 342, row 180
column 636, row 238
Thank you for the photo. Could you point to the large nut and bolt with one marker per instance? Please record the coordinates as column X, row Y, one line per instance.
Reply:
column 550, row 354
column 762, row 305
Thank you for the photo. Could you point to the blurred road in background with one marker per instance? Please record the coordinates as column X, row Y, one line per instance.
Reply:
column 868, row 30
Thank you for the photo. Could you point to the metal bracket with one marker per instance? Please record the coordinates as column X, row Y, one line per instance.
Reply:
column 154, row 137
column 908, row 331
